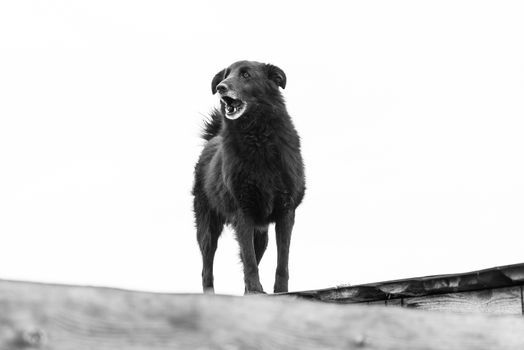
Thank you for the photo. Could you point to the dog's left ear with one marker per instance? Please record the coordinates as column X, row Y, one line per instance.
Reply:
column 277, row 75
column 217, row 79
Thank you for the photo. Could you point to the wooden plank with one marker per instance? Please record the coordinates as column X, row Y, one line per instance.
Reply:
column 497, row 277
column 522, row 298
column 503, row 301
column 391, row 302
column 65, row 317
column 395, row 302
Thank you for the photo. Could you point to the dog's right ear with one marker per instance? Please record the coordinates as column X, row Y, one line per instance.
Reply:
column 277, row 75
column 217, row 79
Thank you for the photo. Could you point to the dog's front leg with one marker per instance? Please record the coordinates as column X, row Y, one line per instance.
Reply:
column 283, row 228
column 244, row 231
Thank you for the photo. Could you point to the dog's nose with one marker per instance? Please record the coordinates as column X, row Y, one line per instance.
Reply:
column 221, row 88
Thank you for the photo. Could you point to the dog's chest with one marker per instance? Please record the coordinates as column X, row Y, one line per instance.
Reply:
column 258, row 172
column 260, row 184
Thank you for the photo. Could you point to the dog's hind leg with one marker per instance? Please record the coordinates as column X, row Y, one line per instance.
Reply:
column 209, row 227
column 283, row 228
column 260, row 240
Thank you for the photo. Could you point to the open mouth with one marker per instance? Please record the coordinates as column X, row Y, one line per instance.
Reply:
column 233, row 107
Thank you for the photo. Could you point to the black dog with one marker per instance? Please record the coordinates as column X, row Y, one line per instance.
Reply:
column 250, row 172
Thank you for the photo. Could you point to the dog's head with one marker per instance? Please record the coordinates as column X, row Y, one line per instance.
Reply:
column 245, row 83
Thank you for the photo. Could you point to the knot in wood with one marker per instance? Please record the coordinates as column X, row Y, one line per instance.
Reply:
column 359, row 341
column 33, row 338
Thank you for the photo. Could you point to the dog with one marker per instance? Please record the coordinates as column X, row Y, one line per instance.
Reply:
column 250, row 172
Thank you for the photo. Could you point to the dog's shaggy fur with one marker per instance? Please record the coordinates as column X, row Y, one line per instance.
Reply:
column 250, row 172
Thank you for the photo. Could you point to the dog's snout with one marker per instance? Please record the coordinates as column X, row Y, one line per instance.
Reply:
column 221, row 88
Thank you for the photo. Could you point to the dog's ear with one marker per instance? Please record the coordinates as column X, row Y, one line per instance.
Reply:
column 277, row 75
column 217, row 79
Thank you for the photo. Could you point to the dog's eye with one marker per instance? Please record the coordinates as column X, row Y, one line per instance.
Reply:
column 246, row 75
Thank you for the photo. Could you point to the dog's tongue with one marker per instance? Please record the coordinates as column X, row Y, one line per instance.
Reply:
column 232, row 105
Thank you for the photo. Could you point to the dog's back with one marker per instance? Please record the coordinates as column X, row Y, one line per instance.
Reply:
column 250, row 172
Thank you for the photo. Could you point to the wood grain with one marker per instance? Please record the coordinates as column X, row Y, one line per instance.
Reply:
column 395, row 302
column 65, row 317
column 502, row 301
column 492, row 278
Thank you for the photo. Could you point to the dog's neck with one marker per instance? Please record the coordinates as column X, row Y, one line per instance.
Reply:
column 255, row 133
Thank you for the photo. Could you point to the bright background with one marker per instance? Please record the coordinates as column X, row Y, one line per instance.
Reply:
column 411, row 115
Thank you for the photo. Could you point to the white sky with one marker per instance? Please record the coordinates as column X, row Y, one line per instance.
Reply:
column 411, row 115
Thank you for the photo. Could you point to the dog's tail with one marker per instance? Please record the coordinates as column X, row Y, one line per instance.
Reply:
column 212, row 126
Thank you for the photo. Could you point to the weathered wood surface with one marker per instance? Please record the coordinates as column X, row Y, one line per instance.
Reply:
column 494, row 278
column 65, row 317
column 500, row 301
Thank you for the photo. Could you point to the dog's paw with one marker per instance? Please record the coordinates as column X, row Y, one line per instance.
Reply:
column 255, row 292
column 209, row 290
